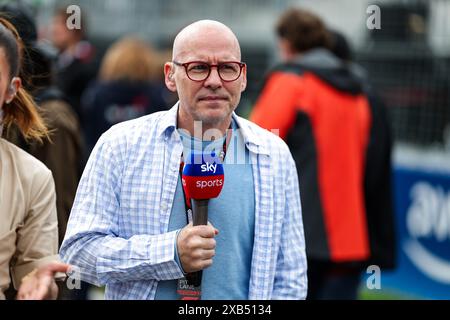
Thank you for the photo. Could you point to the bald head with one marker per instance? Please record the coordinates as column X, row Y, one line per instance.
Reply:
column 207, row 32
column 211, row 100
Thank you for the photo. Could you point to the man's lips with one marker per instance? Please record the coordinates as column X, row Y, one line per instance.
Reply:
column 212, row 98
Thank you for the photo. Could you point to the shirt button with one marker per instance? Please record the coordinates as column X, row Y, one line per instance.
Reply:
column 164, row 206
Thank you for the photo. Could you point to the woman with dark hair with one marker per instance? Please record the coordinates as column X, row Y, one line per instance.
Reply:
column 28, row 228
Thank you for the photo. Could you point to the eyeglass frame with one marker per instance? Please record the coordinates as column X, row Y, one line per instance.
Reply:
column 186, row 64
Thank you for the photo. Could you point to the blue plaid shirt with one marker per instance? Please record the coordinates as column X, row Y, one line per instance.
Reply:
column 117, row 232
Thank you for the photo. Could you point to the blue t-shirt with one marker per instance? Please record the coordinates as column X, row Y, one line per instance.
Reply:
column 233, row 214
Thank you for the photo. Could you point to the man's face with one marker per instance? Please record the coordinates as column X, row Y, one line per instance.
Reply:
column 213, row 100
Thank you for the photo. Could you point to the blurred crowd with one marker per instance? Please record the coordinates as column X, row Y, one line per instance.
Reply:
column 80, row 95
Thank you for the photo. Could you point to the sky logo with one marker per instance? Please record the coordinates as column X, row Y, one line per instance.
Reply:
column 209, row 167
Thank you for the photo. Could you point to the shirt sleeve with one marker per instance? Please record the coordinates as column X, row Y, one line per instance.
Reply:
column 177, row 256
column 92, row 243
column 290, row 275
column 276, row 106
column 37, row 238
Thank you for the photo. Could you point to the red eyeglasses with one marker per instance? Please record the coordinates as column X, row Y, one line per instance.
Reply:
column 199, row 71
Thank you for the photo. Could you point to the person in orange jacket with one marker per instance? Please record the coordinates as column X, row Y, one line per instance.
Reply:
column 323, row 109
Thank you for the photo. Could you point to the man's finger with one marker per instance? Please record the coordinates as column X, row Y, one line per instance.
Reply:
column 208, row 254
column 208, row 243
column 205, row 231
column 215, row 230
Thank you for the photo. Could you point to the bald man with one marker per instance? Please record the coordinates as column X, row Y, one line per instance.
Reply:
column 130, row 227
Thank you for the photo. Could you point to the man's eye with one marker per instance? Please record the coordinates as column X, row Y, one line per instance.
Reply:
column 228, row 67
column 198, row 67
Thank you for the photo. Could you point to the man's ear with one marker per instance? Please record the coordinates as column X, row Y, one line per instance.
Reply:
column 169, row 76
column 14, row 86
column 244, row 79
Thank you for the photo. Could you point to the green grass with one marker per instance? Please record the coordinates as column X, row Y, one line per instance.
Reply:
column 366, row 294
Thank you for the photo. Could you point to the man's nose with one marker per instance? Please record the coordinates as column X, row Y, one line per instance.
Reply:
column 213, row 81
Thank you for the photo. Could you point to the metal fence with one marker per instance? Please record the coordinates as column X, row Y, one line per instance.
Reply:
column 412, row 79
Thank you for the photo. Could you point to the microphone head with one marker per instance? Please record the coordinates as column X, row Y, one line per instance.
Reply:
column 202, row 176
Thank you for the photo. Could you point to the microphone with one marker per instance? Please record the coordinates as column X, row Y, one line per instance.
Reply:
column 202, row 179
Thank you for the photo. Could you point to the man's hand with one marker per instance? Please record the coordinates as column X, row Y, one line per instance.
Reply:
column 196, row 247
column 39, row 284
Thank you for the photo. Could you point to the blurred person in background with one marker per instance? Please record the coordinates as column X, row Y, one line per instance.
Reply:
column 378, row 167
column 77, row 62
column 28, row 228
column 129, row 86
column 341, row 144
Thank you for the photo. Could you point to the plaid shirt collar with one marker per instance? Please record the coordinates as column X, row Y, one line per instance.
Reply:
column 252, row 141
